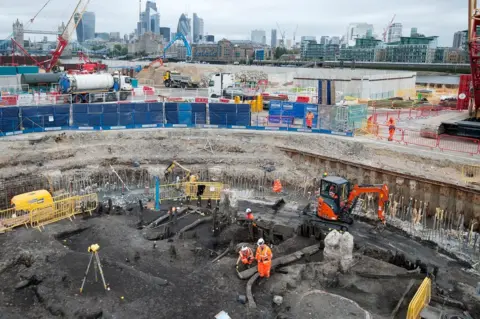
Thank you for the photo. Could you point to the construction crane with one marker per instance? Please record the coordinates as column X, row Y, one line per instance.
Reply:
column 63, row 39
column 282, row 34
column 385, row 31
column 474, row 48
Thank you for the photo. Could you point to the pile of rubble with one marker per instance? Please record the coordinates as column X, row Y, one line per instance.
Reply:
column 250, row 75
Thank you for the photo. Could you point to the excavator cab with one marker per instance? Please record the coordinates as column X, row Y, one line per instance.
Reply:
column 334, row 191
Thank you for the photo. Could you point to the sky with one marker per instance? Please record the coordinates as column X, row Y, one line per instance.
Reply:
column 236, row 19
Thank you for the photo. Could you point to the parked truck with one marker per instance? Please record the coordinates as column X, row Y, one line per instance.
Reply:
column 176, row 80
column 86, row 88
column 221, row 83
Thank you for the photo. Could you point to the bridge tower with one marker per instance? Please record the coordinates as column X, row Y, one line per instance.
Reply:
column 18, row 32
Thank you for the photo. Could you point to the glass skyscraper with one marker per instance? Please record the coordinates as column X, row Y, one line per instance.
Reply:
column 85, row 27
column 184, row 25
column 149, row 19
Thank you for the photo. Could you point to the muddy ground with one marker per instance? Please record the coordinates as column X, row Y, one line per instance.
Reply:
column 41, row 273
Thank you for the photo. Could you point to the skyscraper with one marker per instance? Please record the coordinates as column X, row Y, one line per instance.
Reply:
column 308, row 38
column 460, row 39
column 273, row 40
column 149, row 19
column 324, row 39
column 413, row 32
column 394, row 33
column 357, row 30
column 85, row 27
column 184, row 26
column 165, row 32
column 334, row 40
column 197, row 28
column 258, row 36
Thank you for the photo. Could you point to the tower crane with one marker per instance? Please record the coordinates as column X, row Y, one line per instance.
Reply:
column 385, row 31
column 474, row 50
column 282, row 34
column 294, row 33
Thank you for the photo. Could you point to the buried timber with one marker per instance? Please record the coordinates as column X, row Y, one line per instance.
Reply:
column 177, row 259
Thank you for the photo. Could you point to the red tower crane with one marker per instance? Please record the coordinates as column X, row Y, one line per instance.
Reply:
column 385, row 31
column 474, row 50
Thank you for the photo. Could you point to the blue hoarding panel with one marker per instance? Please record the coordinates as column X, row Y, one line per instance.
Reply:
column 61, row 120
column 222, row 107
column 199, row 117
column 125, row 119
column 184, row 118
column 29, row 111
column 45, row 110
column 140, row 107
column 171, row 117
column 243, row 119
column 125, row 108
column 10, row 111
column 110, row 108
column 9, row 124
column 80, row 108
column 95, row 120
column 95, row 108
column 171, row 106
column 80, row 119
column 156, row 107
column 110, row 119
column 62, row 109
column 242, row 108
column 143, row 118
column 156, row 117
column 199, row 107
column 184, row 107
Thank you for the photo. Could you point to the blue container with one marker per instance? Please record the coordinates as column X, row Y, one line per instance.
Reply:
column 27, row 69
column 8, row 70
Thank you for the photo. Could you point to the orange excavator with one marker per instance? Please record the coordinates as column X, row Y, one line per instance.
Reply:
column 337, row 199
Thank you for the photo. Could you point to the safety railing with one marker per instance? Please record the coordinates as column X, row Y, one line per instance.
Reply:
column 381, row 116
column 471, row 174
column 205, row 190
column 172, row 191
column 11, row 218
column 420, row 300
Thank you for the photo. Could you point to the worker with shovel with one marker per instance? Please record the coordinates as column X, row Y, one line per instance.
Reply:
column 246, row 256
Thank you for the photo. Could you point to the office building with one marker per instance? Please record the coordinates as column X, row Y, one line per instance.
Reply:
column 365, row 50
column 324, row 39
column 149, row 19
column 114, row 36
column 412, row 50
column 358, row 30
column 197, row 28
column 460, row 40
column 307, row 38
column 104, row 36
column 334, row 41
column 184, row 26
column 273, row 39
column 394, row 33
column 85, row 26
column 413, row 32
column 258, row 36
column 311, row 50
column 165, row 32
column 210, row 38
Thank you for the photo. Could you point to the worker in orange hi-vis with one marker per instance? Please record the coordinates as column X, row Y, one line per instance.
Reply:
column 264, row 259
column 309, row 119
column 245, row 256
column 391, row 128
column 277, row 186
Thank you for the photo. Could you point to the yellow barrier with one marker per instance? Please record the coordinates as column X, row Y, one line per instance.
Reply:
column 10, row 218
column 211, row 190
column 172, row 191
column 420, row 300
column 471, row 174
column 86, row 203
column 48, row 214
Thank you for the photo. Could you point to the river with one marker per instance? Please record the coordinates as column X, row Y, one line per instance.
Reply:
column 439, row 79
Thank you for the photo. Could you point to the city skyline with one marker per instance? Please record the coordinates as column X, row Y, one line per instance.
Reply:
column 225, row 23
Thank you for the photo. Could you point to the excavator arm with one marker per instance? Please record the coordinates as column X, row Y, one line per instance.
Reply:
column 381, row 189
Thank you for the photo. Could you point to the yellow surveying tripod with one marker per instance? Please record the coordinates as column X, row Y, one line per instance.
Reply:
column 93, row 249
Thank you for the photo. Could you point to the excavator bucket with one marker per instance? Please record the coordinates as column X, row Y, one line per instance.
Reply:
column 278, row 205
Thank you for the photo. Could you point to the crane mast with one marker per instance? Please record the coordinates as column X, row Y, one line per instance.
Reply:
column 66, row 35
column 474, row 50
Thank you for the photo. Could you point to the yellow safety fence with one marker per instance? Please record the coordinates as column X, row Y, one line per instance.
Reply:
column 367, row 128
column 172, row 191
column 62, row 207
column 420, row 300
column 471, row 174
column 177, row 191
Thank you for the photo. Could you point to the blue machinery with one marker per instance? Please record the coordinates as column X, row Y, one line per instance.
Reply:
column 179, row 36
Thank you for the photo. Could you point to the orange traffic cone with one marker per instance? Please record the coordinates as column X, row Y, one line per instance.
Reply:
column 277, row 186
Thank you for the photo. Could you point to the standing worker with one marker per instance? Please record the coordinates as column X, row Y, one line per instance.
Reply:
column 264, row 258
column 309, row 119
column 246, row 256
column 391, row 128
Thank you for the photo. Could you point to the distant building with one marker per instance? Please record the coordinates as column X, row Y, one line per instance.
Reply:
column 358, row 30
column 197, row 28
column 289, row 43
column 105, row 36
column 148, row 43
column 335, row 40
column 311, row 50
column 18, row 32
column 460, row 39
column 210, row 38
column 412, row 50
column 324, row 39
column 226, row 51
column 307, row 38
column 258, row 36
column 184, row 26
column 413, row 32
column 394, row 33
column 365, row 50
column 165, row 32
column 149, row 20
column 273, row 38
column 114, row 36
column 85, row 26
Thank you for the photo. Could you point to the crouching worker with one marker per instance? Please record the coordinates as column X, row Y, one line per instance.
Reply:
column 246, row 256
column 264, row 259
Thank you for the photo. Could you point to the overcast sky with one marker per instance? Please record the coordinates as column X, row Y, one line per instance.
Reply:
column 235, row 19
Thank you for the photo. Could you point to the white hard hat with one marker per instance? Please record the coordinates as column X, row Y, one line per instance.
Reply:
column 244, row 248
column 260, row 242
column 248, row 210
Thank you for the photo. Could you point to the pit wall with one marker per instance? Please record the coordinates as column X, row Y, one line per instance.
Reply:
column 115, row 116
column 448, row 197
